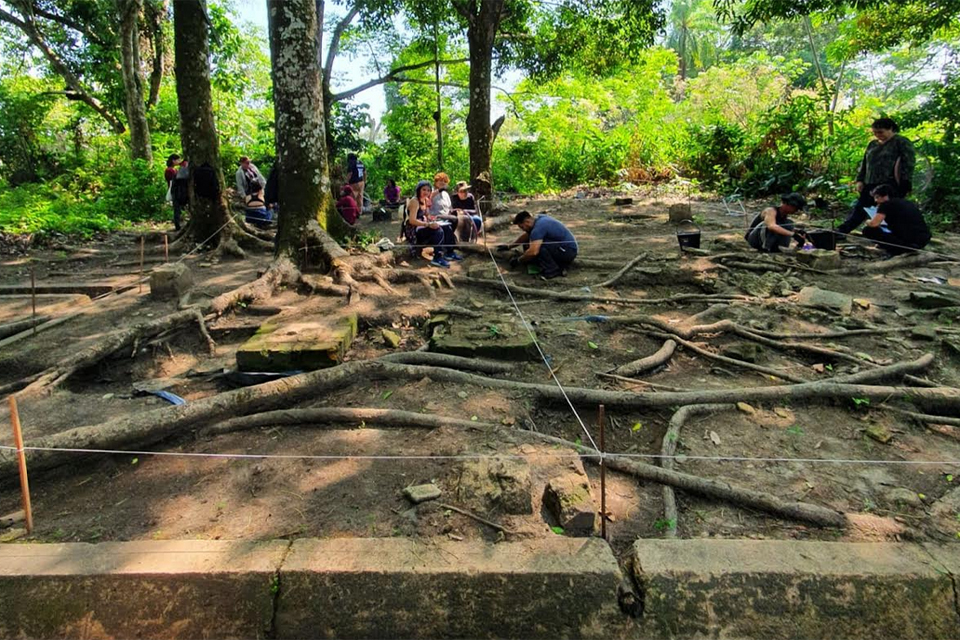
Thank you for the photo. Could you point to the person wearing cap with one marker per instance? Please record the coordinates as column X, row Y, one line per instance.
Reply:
column 465, row 208
column 546, row 242
column 772, row 228
column 898, row 226
column 890, row 159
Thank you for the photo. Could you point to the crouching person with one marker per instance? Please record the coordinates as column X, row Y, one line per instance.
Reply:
column 546, row 243
column 898, row 227
column 773, row 229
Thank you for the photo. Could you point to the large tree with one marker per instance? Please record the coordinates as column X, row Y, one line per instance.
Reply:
column 295, row 40
column 198, row 131
column 95, row 48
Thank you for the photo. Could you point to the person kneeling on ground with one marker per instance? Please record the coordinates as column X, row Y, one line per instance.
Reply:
column 546, row 242
column 773, row 229
column 255, row 209
column 347, row 206
column 906, row 230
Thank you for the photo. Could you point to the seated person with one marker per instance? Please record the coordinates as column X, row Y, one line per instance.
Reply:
column 255, row 209
column 546, row 241
column 906, row 231
column 464, row 206
column 347, row 206
column 391, row 193
column 440, row 198
column 772, row 229
column 421, row 230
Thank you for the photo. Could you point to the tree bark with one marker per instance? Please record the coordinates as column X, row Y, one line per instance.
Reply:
column 301, row 143
column 134, row 106
column 198, row 130
column 483, row 24
column 156, row 11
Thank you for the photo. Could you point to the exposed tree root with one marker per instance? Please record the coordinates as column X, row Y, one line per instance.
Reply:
column 661, row 357
column 280, row 272
column 925, row 418
column 13, row 328
column 326, row 416
column 111, row 344
column 667, row 450
column 894, row 264
column 449, row 362
column 638, row 382
column 153, row 426
column 324, row 285
column 719, row 358
column 622, row 273
column 347, row 269
column 714, row 489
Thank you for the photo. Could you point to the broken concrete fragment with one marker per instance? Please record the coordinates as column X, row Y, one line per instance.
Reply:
column 497, row 484
column 819, row 259
column 924, row 332
column 900, row 496
column 170, row 281
column 568, row 499
column 879, row 433
column 745, row 408
column 746, row 351
column 392, row 338
column 422, row 492
column 928, row 300
column 494, row 336
column 822, row 298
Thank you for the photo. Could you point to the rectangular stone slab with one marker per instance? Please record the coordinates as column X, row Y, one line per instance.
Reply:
column 399, row 588
column 767, row 589
column 497, row 337
column 147, row 589
column 302, row 345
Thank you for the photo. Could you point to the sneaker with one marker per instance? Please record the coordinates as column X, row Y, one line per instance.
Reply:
column 551, row 276
column 439, row 262
column 454, row 256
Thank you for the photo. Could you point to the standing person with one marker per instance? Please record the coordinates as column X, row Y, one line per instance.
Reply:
column 889, row 160
column 419, row 230
column 546, row 241
column 906, row 231
column 356, row 178
column 169, row 174
column 347, row 206
column 247, row 175
column 180, row 191
column 773, row 229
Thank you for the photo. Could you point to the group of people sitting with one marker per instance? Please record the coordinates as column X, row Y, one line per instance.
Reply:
column 434, row 219
column 884, row 181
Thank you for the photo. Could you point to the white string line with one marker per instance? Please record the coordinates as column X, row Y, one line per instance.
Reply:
column 536, row 342
column 645, row 456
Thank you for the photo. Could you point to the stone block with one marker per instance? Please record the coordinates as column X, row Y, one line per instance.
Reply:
column 930, row 300
column 497, row 484
column 146, row 589
column 792, row 590
column 498, row 337
column 680, row 212
column 822, row 298
column 746, row 351
column 485, row 271
column 303, row 345
column 170, row 281
column 568, row 499
column 399, row 588
column 422, row 493
column 819, row 259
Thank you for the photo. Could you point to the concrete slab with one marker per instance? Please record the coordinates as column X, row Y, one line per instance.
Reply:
column 303, row 345
column 500, row 337
column 783, row 589
column 149, row 589
column 400, row 588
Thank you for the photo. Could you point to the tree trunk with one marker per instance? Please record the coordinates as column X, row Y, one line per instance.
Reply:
column 481, row 33
column 301, row 142
column 198, row 130
column 132, row 84
column 156, row 11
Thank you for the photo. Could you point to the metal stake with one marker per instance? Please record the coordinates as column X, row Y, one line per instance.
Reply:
column 603, row 479
column 33, row 295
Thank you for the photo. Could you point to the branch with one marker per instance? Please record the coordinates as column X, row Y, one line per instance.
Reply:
column 335, row 45
column 70, row 24
column 391, row 76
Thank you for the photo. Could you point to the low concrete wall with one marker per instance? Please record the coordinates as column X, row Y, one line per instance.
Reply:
column 804, row 590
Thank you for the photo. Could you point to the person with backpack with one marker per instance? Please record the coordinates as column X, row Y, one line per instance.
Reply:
column 772, row 229
column 247, row 176
column 169, row 174
column 180, row 192
column 255, row 209
column 356, row 177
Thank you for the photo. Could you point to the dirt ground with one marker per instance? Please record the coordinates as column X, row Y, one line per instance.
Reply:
column 334, row 481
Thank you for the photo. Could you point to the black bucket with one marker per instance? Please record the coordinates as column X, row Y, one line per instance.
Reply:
column 823, row 239
column 688, row 239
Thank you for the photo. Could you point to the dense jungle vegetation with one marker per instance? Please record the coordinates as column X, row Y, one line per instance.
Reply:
column 745, row 97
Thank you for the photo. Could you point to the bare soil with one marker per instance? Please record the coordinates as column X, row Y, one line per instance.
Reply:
column 315, row 488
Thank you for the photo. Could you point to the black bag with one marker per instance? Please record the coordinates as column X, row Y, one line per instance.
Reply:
column 206, row 182
column 179, row 192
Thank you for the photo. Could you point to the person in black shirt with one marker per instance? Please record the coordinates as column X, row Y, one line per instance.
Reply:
column 908, row 231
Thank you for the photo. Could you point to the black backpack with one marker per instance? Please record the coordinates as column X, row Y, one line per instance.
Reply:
column 179, row 192
column 206, row 182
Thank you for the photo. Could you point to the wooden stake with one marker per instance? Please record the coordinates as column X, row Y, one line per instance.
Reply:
column 166, row 248
column 22, row 463
column 33, row 295
column 603, row 480
column 141, row 262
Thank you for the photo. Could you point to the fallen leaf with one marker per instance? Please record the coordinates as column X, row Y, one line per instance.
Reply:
column 474, row 418
column 783, row 413
column 636, row 427
column 510, row 421
column 593, row 345
column 387, row 394
column 745, row 408
column 715, row 438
